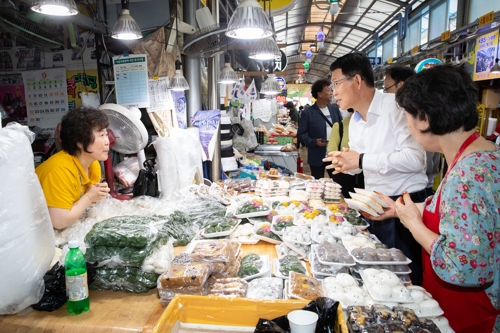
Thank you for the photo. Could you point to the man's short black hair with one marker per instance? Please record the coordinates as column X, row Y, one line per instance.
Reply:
column 77, row 126
column 355, row 63
column 399, row 73
column 318, row 87
column 445, row 95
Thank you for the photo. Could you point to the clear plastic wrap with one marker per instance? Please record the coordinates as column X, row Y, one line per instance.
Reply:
column 127, row 171
column 216, row 251
column 265, row 288
column 129, row 279
column 304, row 287
column 235, row 287
column 26, row 237
column 194, row 274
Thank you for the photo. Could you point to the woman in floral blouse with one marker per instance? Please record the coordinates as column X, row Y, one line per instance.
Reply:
column 459, row 227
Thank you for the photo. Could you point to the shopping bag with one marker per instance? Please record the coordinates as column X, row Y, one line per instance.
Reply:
column 147, row 181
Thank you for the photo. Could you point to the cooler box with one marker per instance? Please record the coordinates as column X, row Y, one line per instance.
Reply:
column 218, row 314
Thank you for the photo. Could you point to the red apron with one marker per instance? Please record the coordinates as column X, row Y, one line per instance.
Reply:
column 467, row 309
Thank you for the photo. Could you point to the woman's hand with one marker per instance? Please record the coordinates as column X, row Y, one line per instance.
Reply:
column 388, row 212
column 97, row 192
column 408, row 212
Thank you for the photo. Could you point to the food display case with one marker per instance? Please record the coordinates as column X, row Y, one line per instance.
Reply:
column 273, row 154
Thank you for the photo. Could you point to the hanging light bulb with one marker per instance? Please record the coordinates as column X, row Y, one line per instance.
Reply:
column 55, row 7
column 306, row 65
column 126, row 28
column 227, row 74
column 178, row 82
column 249, row 21
column 270, row 86
column 265, row 49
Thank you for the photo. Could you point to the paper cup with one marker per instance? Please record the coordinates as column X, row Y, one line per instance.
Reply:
column 302, row 321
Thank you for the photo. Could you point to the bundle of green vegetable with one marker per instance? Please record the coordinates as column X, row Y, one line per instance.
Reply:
column 250, row 265
column 291, row 264
column 220, row 224
column 129, row 279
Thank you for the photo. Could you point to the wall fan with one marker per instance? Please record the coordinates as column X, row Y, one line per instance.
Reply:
column 127, row 135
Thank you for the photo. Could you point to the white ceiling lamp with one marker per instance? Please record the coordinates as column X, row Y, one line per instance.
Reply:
column 249, row 21
column 270, row 86
column 178, row 81
column 496, row 68
column 55, row 7
column 126, row 28
column 334, row 7
column 227, row 74
column 265, row 49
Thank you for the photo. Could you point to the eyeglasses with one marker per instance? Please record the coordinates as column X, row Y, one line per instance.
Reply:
column 335, row 84
column 385, row 89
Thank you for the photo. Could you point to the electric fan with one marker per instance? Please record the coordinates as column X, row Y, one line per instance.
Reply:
column 127, row 135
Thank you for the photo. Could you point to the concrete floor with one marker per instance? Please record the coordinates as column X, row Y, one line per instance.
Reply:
column 303, row 154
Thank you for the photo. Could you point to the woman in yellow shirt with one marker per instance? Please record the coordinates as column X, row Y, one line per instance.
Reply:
column 70, row 179
column 339, row 139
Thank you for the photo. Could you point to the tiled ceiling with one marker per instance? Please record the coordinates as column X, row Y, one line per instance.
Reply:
column 346, row 32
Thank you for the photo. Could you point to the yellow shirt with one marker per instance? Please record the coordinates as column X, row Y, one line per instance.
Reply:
column 333, row 141
column 64, row 181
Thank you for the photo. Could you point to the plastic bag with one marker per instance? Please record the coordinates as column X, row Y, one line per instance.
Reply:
column 129, row 279
column 324, row 307
column 27, row 240
column 147, row 180
column 127, row 171
column 55, row 290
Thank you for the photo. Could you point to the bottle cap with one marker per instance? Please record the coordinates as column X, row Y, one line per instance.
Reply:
column 73, row 244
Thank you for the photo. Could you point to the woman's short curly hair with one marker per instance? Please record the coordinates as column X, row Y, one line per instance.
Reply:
column 443, row 95
column 77, row 127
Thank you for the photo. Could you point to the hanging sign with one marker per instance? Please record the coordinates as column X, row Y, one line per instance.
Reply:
column 415, row 49
column 486, row 53
column 281, row 81
column 375, row 61
column 426, row 64
column 131, row 80
column 278, row 7
column 445, row 35
column 280, row 62
column 486, row 18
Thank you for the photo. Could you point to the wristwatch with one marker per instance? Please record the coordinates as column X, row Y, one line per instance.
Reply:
column 360, row 162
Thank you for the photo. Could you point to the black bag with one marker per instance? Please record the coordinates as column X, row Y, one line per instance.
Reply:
column 147, row 181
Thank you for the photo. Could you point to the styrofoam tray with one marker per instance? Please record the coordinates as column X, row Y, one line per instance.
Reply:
column 432, row 315
column 265, row 239
column 275, row 218
column 286, row 239
column 302, row 254
column 317, row 226
column 293, row 296
column 266, row 267
column 312, row 261
column 362, row 262
column 373, row 295
column 314, row 248
column 278, row 248
column 225, row 198
column 222, row 233
column 253, row 221
column 254, row 214
column 397, row 273
column 276, row 269
column 246, row 242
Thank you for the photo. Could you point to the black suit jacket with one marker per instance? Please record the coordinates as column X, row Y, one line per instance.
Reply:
column 312, row 127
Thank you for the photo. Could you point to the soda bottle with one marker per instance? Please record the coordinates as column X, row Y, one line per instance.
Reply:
column 76, row 279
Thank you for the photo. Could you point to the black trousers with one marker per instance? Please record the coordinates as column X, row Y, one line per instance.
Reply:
column 394, row 234
column 319, row 171
column 349, row 182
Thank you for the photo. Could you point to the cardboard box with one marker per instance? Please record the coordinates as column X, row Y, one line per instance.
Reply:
column 491, row 98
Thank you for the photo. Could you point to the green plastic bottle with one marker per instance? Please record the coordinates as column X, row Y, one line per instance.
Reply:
column 77, row 288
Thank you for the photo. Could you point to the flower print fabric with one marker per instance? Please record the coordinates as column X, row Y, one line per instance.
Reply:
column 467, row 253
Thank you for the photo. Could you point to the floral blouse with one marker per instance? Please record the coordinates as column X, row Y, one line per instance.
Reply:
column 467, row 252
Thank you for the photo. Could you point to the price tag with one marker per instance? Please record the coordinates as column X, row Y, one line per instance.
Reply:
column 390, row 60
column 415, row 49
column 445, row 35
column 487, row 18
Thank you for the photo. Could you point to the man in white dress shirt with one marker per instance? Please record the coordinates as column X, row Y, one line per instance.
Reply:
column 381, row 146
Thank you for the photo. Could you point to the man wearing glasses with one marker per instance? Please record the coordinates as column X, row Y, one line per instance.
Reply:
column 381, row 146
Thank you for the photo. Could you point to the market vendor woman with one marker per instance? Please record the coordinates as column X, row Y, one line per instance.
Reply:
column 459, row 227
column 70, row 178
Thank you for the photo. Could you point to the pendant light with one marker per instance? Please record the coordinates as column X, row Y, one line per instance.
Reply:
column 55, row 7
column 270, row 86
column 249, row 21
column 265, row 49
column 126, row 28
column 227, row 75
column 178, row 81
column 496, row 68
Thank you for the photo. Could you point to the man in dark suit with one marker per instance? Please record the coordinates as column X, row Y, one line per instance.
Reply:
column 315, row 125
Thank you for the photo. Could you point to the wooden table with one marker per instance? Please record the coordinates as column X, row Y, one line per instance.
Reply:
column 110, row 311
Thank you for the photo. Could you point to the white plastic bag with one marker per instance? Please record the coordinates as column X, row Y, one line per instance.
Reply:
column 26, row 236
column 127, row 171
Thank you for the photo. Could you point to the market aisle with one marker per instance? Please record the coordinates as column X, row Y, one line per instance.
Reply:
column 303, row 154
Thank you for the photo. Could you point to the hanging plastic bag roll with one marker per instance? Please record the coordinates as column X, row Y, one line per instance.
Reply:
column 27, row 239
column 178, row 158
